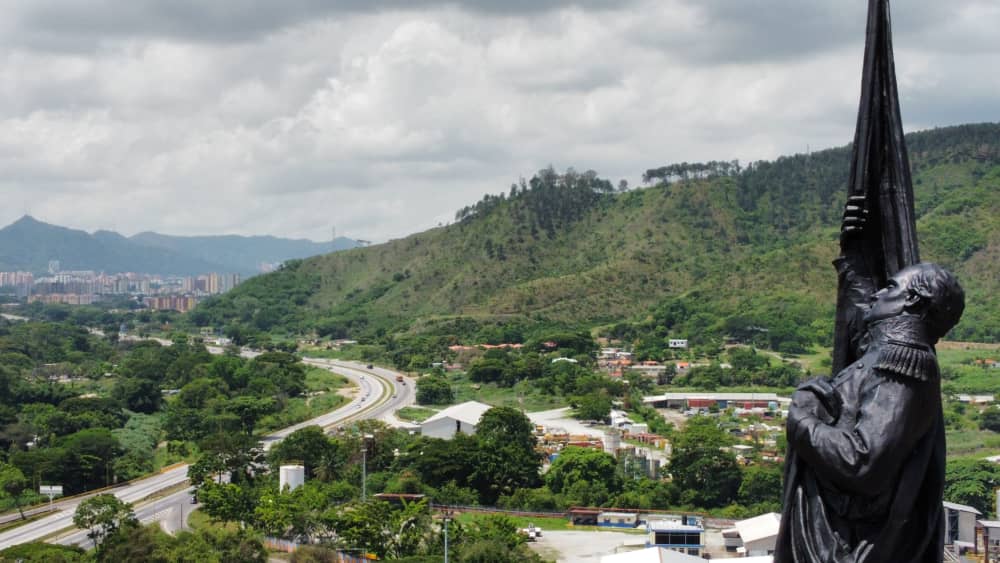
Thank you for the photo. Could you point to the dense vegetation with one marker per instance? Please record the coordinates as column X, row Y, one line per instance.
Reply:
column 499, row 465
column 710, row 252
column 329, row 508
column 84, row 411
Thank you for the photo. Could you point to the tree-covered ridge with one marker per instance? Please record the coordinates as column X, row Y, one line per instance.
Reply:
column 547, row 202
column 735, row 251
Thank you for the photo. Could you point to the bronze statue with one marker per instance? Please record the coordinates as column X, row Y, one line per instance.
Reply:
column 864, row 471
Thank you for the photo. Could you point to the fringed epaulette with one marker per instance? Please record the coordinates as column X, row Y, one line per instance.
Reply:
column 908, row 359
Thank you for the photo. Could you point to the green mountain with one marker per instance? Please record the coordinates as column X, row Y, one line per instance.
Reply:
column 710, row 249
column 242, row 254
column 29, row 245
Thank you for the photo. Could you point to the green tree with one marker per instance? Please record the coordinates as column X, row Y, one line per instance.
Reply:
column 490, row 370
column 89, row 459
column 315, row 554
column 583, row 465
column 990, row 419
column 227, row 502
column 495, row 539
column 507, row 459
column 388, row 531
column 234, row 453
column 103, row 515
column 761, row 484
column 13, row 484
column 438, row 461
column 44, row 553
column 236, row 546
column 136, row 543
column 971, row 481
column 434, row 390
column 322, row 456
column 249, row 410
column 593, row 406
column 138, row 394
column 709, row 476
column 506, row 424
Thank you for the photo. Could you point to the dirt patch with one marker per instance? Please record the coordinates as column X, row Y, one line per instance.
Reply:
column 674, row 417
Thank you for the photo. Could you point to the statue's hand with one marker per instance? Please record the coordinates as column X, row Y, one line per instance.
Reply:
column 823, row 392
column 814, row 402
column 853, row 224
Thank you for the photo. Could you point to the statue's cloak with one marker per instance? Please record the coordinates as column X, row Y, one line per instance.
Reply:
column 844, row 513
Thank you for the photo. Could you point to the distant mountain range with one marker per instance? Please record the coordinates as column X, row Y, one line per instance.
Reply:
column 29, row 245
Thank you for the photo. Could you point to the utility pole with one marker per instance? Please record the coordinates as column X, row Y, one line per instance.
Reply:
column 364, row 466
column 447, row 518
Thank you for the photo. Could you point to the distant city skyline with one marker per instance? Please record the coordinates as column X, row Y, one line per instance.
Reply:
column 378, row 119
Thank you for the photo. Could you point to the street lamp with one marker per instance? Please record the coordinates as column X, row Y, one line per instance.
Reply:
column 364, row 466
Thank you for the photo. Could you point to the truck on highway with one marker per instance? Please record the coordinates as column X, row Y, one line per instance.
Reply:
column 399, row 378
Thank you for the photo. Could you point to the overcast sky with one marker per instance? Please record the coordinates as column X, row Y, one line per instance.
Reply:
column 383, row 117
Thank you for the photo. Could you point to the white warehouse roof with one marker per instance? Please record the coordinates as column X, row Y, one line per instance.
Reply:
column 759, row 527
column 716, row 397
column 961, row 507
column 469, row 412
column 651, row 555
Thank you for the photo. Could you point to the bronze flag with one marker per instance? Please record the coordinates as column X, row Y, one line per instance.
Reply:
column 880, row 171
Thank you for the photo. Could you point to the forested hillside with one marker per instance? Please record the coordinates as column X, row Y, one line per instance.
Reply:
column 709, row 250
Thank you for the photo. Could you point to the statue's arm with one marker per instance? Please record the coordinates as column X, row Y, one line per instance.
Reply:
column 866, row 457
column 856, row 281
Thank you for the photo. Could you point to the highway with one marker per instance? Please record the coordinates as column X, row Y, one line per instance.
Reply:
column 171, row 511
column 63, row 518
column 378, row 397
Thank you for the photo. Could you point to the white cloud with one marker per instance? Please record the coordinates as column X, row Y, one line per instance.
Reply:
column 384, row 118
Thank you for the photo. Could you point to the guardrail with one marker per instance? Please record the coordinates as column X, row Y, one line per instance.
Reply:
column 495, row 510
column 92, row 492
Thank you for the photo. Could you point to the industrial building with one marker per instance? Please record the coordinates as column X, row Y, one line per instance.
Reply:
column 618, row 519
column 960, row 526
column 684, row 534
column 720, row 400
column 461, row 418
column 753, row 537
column 651, row 555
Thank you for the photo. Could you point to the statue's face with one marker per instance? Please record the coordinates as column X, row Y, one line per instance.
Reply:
column 894, row 298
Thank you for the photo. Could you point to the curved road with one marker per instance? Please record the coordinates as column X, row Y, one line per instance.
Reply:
column 378, row 397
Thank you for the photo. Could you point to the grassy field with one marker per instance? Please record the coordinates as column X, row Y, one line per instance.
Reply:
column 323, row 396
column 415, row 414
column 980, row 443
column 817, row 361
column 547, row 524
column 198, row 520
column 522, row 395
column 319, row 379
column 962, row 374
column 162, row 456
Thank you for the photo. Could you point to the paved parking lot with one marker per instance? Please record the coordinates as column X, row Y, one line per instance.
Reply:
column 581, row 547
